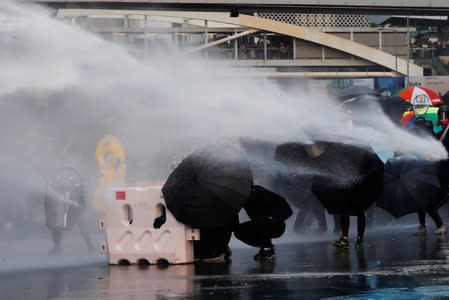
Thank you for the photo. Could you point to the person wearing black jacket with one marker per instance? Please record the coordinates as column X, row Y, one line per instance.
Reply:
column 425, row 127
column 267, row 212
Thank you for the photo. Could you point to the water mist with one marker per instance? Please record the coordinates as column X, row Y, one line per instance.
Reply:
column 62, row 89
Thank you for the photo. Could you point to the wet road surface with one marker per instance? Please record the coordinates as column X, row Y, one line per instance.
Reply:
column 393, row 265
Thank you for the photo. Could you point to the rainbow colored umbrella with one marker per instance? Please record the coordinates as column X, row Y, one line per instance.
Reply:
column 420, row 96
column 430, row 113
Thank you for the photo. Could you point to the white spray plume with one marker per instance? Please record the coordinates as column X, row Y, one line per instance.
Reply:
column 168, row 99
column 62, row 89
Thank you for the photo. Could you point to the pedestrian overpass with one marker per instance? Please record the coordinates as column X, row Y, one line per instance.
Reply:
column 388, row 54
column 358, row 55
column 409, row 7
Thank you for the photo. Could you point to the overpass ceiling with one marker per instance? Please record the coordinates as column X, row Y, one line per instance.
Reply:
column 383, row 7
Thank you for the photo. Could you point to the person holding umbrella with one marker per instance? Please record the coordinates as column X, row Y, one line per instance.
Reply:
column 350, row 184
column 207, row 190
column 426, row 127
column 432, row 211
column 343, row 242
column 268, row 212
column 416, row 185
column 354, row 177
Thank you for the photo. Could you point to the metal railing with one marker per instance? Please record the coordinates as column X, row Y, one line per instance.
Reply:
column 423, row 53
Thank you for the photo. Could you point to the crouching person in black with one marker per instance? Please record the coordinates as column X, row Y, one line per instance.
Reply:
column 268, row 212
column 213, row 245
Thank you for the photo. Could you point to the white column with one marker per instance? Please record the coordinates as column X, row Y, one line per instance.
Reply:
column 294, row 48
column 145, row 34
column 206, row 38
column 236, row 51
column 380, row 40
column 265, row 54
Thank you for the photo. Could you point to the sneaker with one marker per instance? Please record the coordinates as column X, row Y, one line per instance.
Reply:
column 341, row 243
column 265, row 254
column 441, row 230
column 359, row 243
column 421, row 231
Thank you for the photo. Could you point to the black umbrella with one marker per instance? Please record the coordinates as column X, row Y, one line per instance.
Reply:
column 445, row 98
column 345, row 178
column 395, row 107
column 209, row 187
column 410, row 185
column 64, row 199
column 351, row 178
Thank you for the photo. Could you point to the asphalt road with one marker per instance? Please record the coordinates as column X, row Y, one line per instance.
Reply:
column 393, row 265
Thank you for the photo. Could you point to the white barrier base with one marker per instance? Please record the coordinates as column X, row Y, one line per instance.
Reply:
column 131, row 238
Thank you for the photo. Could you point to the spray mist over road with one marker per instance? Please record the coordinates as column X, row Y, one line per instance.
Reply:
column 62, row 89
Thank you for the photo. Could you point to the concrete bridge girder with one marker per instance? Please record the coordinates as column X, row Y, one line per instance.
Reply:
column 373, row 55
column 384, row 7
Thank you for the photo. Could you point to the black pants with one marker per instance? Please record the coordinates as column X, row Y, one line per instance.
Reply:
column 433, row 213
column 258, row 233
column 213, row 242
column 361, row 223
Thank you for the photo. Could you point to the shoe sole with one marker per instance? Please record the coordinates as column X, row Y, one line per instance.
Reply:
column 264, row 258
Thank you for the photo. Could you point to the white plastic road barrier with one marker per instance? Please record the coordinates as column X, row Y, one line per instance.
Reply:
column 131, row 238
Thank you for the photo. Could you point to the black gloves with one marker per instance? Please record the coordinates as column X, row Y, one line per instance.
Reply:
column 159, row 221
